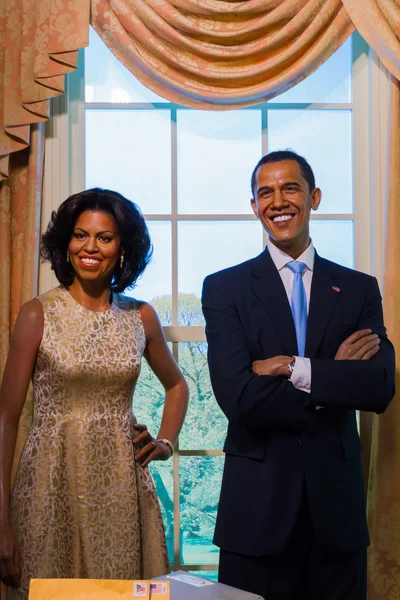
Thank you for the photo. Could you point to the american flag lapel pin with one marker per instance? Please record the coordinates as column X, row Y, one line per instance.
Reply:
column 337, row 289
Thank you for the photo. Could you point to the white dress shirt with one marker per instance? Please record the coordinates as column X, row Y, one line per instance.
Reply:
column 301, row 376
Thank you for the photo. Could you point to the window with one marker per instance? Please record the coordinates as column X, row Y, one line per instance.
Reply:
column 189, row 172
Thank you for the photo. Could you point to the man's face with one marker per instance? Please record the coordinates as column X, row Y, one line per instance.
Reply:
column 283, row 202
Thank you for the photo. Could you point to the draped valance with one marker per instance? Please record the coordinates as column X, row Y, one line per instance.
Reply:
column 208, row 54
column 39, row 42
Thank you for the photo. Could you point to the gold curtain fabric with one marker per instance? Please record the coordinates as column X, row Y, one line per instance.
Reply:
column 384, row 480
column 216, row 54
column 39, row 42
column 378, row 21
column 20, row 198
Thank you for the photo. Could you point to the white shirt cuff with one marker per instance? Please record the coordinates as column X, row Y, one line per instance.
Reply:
column 301, row 376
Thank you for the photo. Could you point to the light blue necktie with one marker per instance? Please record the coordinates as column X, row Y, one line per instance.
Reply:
column 299, row 304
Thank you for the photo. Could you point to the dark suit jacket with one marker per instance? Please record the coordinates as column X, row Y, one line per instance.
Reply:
column 277, row 441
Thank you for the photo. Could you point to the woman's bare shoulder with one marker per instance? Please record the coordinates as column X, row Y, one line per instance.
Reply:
column 30, row 322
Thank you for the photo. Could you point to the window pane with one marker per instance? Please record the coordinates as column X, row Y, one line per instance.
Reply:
column 334, row 240
column 205, row 424
column 217, row 152
column 200, row 484
column 155, row 284
column 130, row 151
column 107, row 80
column 208, row 246
column 330, row 83
column 162, row 473
column 323, row 137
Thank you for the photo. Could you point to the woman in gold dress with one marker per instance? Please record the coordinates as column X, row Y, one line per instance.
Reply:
column 83, row 503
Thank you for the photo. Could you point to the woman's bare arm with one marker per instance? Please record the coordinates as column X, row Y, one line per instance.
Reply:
column 24, row 346
column 165, row 368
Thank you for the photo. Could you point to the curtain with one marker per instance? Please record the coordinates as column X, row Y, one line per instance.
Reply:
column 206, row 54
column 384, row 481
column 217, row 54
column 20, row 198
column 378, row 21
column 39, row 42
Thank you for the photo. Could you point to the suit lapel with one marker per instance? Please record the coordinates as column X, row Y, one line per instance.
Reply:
column 324, row 295
column 268, row 286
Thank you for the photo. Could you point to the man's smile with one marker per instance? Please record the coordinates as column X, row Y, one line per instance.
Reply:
column 282, row 219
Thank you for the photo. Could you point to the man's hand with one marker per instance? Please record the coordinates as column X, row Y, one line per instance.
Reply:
column 361, row 345
column 276, row 366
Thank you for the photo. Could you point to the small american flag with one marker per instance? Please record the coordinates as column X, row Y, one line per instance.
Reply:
column 337, row 289
column 158, row 588
column 140, row 588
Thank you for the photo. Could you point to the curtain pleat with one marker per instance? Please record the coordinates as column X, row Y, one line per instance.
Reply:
column 39, row 42
column 378, row 21
column 218, row 55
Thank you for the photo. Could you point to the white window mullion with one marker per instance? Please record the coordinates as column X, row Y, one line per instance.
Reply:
column 361, row 155
column 76, row 103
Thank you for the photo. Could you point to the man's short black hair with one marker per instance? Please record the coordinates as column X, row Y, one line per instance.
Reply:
column 131, row 226
column 278, row 156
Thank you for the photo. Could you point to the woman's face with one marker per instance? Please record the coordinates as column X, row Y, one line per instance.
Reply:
column 95, row 246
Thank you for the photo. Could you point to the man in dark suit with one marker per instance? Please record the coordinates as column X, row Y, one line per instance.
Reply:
column 296, row 344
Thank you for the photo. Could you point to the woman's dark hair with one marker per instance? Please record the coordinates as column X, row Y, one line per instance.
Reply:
column 131, row 226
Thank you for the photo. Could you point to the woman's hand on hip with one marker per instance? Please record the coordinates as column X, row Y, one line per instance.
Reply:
column 151, row 449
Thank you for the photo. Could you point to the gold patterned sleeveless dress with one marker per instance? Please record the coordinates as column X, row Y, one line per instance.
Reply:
column 81, row 506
